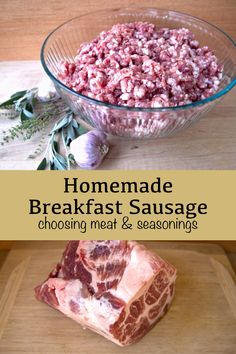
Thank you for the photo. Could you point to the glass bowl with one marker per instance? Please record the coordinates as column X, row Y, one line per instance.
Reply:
column 63, row 42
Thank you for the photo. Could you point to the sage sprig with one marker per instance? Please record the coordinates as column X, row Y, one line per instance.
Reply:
column 13, row 99
column 35, row 113
column 66, row 129
column 22, row 102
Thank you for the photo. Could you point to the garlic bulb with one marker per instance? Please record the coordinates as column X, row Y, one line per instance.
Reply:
column 46, row 90
column 89, row 149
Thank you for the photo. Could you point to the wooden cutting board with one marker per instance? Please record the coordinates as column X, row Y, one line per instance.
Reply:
column 202, row 318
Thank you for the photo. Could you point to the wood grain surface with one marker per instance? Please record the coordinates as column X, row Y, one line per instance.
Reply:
column 25, row 23
column 200, row 320
column 208, row 144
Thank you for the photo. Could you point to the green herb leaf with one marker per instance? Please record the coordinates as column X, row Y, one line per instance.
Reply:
column 51, row 165
column 55, row 146
column 43, row 164
column 69, row 134
column 59, row 162
column 62, row 123
column 82, row 130
column 23, row 116
column 75, row 123
column 19, row 94
column 71, row 159
column 15, row 97
column 27, row 114
column 7, row 103
column 67, row 128
column 29, row 107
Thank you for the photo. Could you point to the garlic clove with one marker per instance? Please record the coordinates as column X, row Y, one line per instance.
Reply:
column 90, row 149
column 46, row 90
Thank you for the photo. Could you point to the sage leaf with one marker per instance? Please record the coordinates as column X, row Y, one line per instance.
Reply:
column 7, row 103
column 55, row 146
column 60, row 125
column 71, row 159
column 69, row 134
column 19, row 94
column 28, row 114
column 75, row 123
column 29, row 107
column 43, row 164
column 60, row 162
column 23, row 117
column 15, row 97
column 51, row 165
column 82, row 130
column 61, row 159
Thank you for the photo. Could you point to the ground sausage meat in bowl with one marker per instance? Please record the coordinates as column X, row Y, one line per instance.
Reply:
column 143, row 78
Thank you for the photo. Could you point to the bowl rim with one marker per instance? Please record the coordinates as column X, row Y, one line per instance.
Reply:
column 212, row 98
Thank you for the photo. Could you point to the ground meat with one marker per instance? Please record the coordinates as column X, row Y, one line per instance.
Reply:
column 139, row 65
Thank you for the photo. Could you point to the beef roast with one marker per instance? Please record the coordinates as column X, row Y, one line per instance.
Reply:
column 118, row 289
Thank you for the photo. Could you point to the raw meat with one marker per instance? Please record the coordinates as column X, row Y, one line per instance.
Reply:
column 139, row 65
column 118, row 289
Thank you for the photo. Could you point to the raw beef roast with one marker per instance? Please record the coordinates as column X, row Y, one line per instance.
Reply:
column 118, row 289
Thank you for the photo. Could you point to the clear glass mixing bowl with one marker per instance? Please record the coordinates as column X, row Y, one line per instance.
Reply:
column 63, row 42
